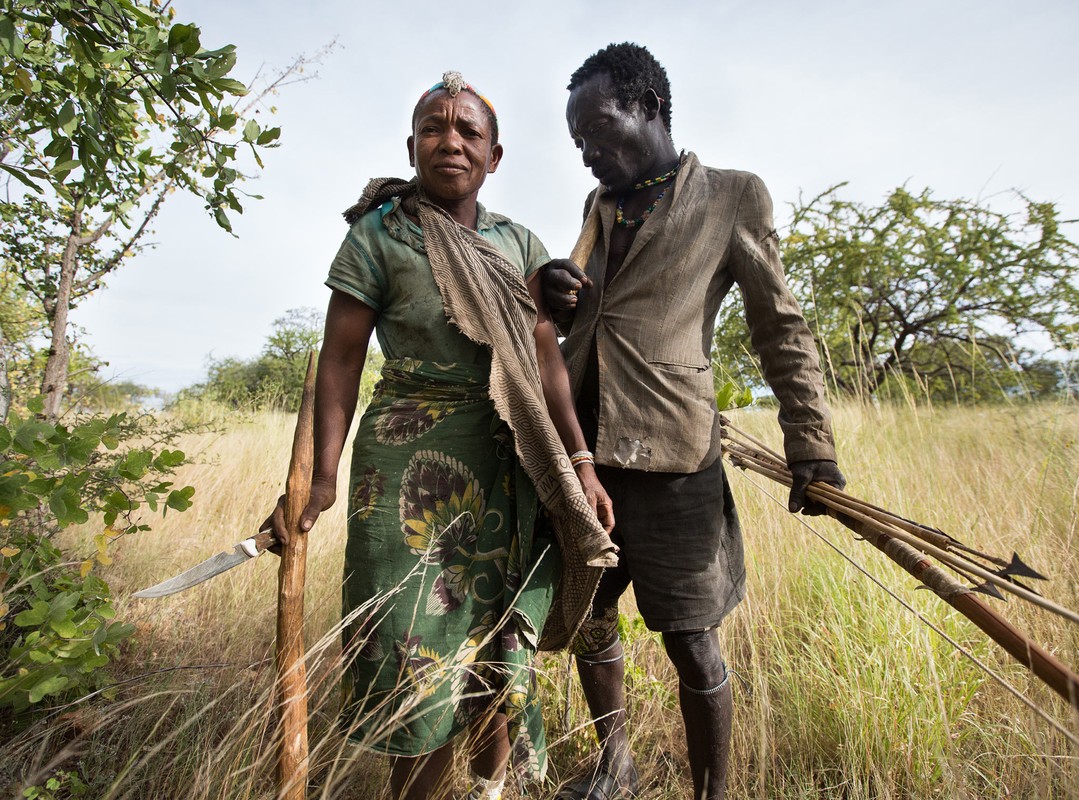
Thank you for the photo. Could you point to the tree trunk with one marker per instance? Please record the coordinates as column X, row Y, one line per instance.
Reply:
column 5, row 382
column 54, row 382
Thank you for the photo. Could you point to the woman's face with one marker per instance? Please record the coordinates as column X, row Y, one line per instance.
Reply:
column 451, row 146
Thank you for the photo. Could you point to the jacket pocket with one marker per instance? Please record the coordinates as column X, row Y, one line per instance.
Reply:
column 684, row 367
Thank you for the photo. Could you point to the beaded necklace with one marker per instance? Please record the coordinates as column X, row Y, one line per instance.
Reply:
column 666, row 176
column 620, row 218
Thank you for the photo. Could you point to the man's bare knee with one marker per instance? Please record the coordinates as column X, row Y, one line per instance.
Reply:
column 696, row 656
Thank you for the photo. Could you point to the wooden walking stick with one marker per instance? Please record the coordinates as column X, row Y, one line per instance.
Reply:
column 291, row 672
column 589, row 234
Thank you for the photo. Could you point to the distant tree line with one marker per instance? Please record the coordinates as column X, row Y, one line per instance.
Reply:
column 945, row 299
column 274, row 379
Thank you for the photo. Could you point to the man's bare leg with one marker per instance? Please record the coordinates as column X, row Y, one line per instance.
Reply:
column 602, row 675
column 707, row 708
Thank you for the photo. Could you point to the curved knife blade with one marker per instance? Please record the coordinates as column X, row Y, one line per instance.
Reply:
column 245, row 551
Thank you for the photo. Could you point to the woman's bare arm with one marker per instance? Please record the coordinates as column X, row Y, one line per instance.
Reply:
column 349, row 324
column 556, row 392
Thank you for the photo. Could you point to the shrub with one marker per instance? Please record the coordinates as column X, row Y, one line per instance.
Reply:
column 57, row 627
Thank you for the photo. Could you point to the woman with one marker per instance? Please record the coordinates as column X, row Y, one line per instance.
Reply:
column 450, row 572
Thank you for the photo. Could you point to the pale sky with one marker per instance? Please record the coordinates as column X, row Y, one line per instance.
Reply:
column 971, row 99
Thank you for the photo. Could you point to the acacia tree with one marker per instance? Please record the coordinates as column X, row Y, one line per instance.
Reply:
column 938, row 292
column 107, row 106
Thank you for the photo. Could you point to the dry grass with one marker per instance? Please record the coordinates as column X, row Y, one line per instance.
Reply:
column 841, row 693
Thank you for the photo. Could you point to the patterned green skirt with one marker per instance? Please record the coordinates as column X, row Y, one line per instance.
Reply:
column 448, row 576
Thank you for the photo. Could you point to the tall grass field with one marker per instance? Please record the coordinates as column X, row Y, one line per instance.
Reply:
column 842, row 691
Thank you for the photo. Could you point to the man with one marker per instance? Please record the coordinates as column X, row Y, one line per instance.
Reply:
column 676, row 236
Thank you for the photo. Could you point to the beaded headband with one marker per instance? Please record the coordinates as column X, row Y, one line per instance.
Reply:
column 453, row 83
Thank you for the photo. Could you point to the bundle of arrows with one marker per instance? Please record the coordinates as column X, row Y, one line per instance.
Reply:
column 916, row 547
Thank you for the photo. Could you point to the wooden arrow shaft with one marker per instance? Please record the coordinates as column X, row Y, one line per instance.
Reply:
column 835, row 499
column 292, row 756
column 911, row 554
column 1018, row 645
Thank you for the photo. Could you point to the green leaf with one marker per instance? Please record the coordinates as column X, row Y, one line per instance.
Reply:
column 9, row 37
column 179, row 34
column 268, row 135
column 229, row 85
column 91, row 143
column 226, row 120
column 163, row 63
column 58, row 506
column 191, row 43
column 114, row 57
column 32, row 431
column 62, row 604
column 62, row 169
column 135, row 464
column 99, row 637
column 118, row 631
column 24, row 81
column 219, row 67
column 220, row 216
column 221, row 51
column 64, row 627
column 67, row 118
column 180, row 499
column 251, row 131
column 169, row 459
column 33, row 616
column 60, row 147
column 47, row 686
column 21, row 176
column 167, row 87
column 66, row 504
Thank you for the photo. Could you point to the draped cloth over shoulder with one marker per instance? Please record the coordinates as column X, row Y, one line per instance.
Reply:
column 486, row 298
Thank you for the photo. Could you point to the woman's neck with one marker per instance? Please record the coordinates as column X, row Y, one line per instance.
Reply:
column 464, row 212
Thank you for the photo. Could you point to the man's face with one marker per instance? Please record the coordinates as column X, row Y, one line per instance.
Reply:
column 450, row 146
column 613, row 140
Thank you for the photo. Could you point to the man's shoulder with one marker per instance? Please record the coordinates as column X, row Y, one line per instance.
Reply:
column 725, row 178
column 737, row 188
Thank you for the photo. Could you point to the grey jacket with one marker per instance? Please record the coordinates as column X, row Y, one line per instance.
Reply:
column 653, row 326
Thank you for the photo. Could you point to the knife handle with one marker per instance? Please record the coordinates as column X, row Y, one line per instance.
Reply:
column 257, row 545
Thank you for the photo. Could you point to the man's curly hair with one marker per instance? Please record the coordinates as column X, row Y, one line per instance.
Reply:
column 633, row 72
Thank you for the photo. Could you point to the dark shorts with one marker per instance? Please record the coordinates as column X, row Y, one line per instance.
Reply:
column 681, row 547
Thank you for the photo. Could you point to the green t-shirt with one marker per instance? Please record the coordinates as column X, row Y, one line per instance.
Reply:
column 383, row 263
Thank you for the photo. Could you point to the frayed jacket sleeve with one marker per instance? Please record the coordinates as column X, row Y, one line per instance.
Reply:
column 778, row 330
